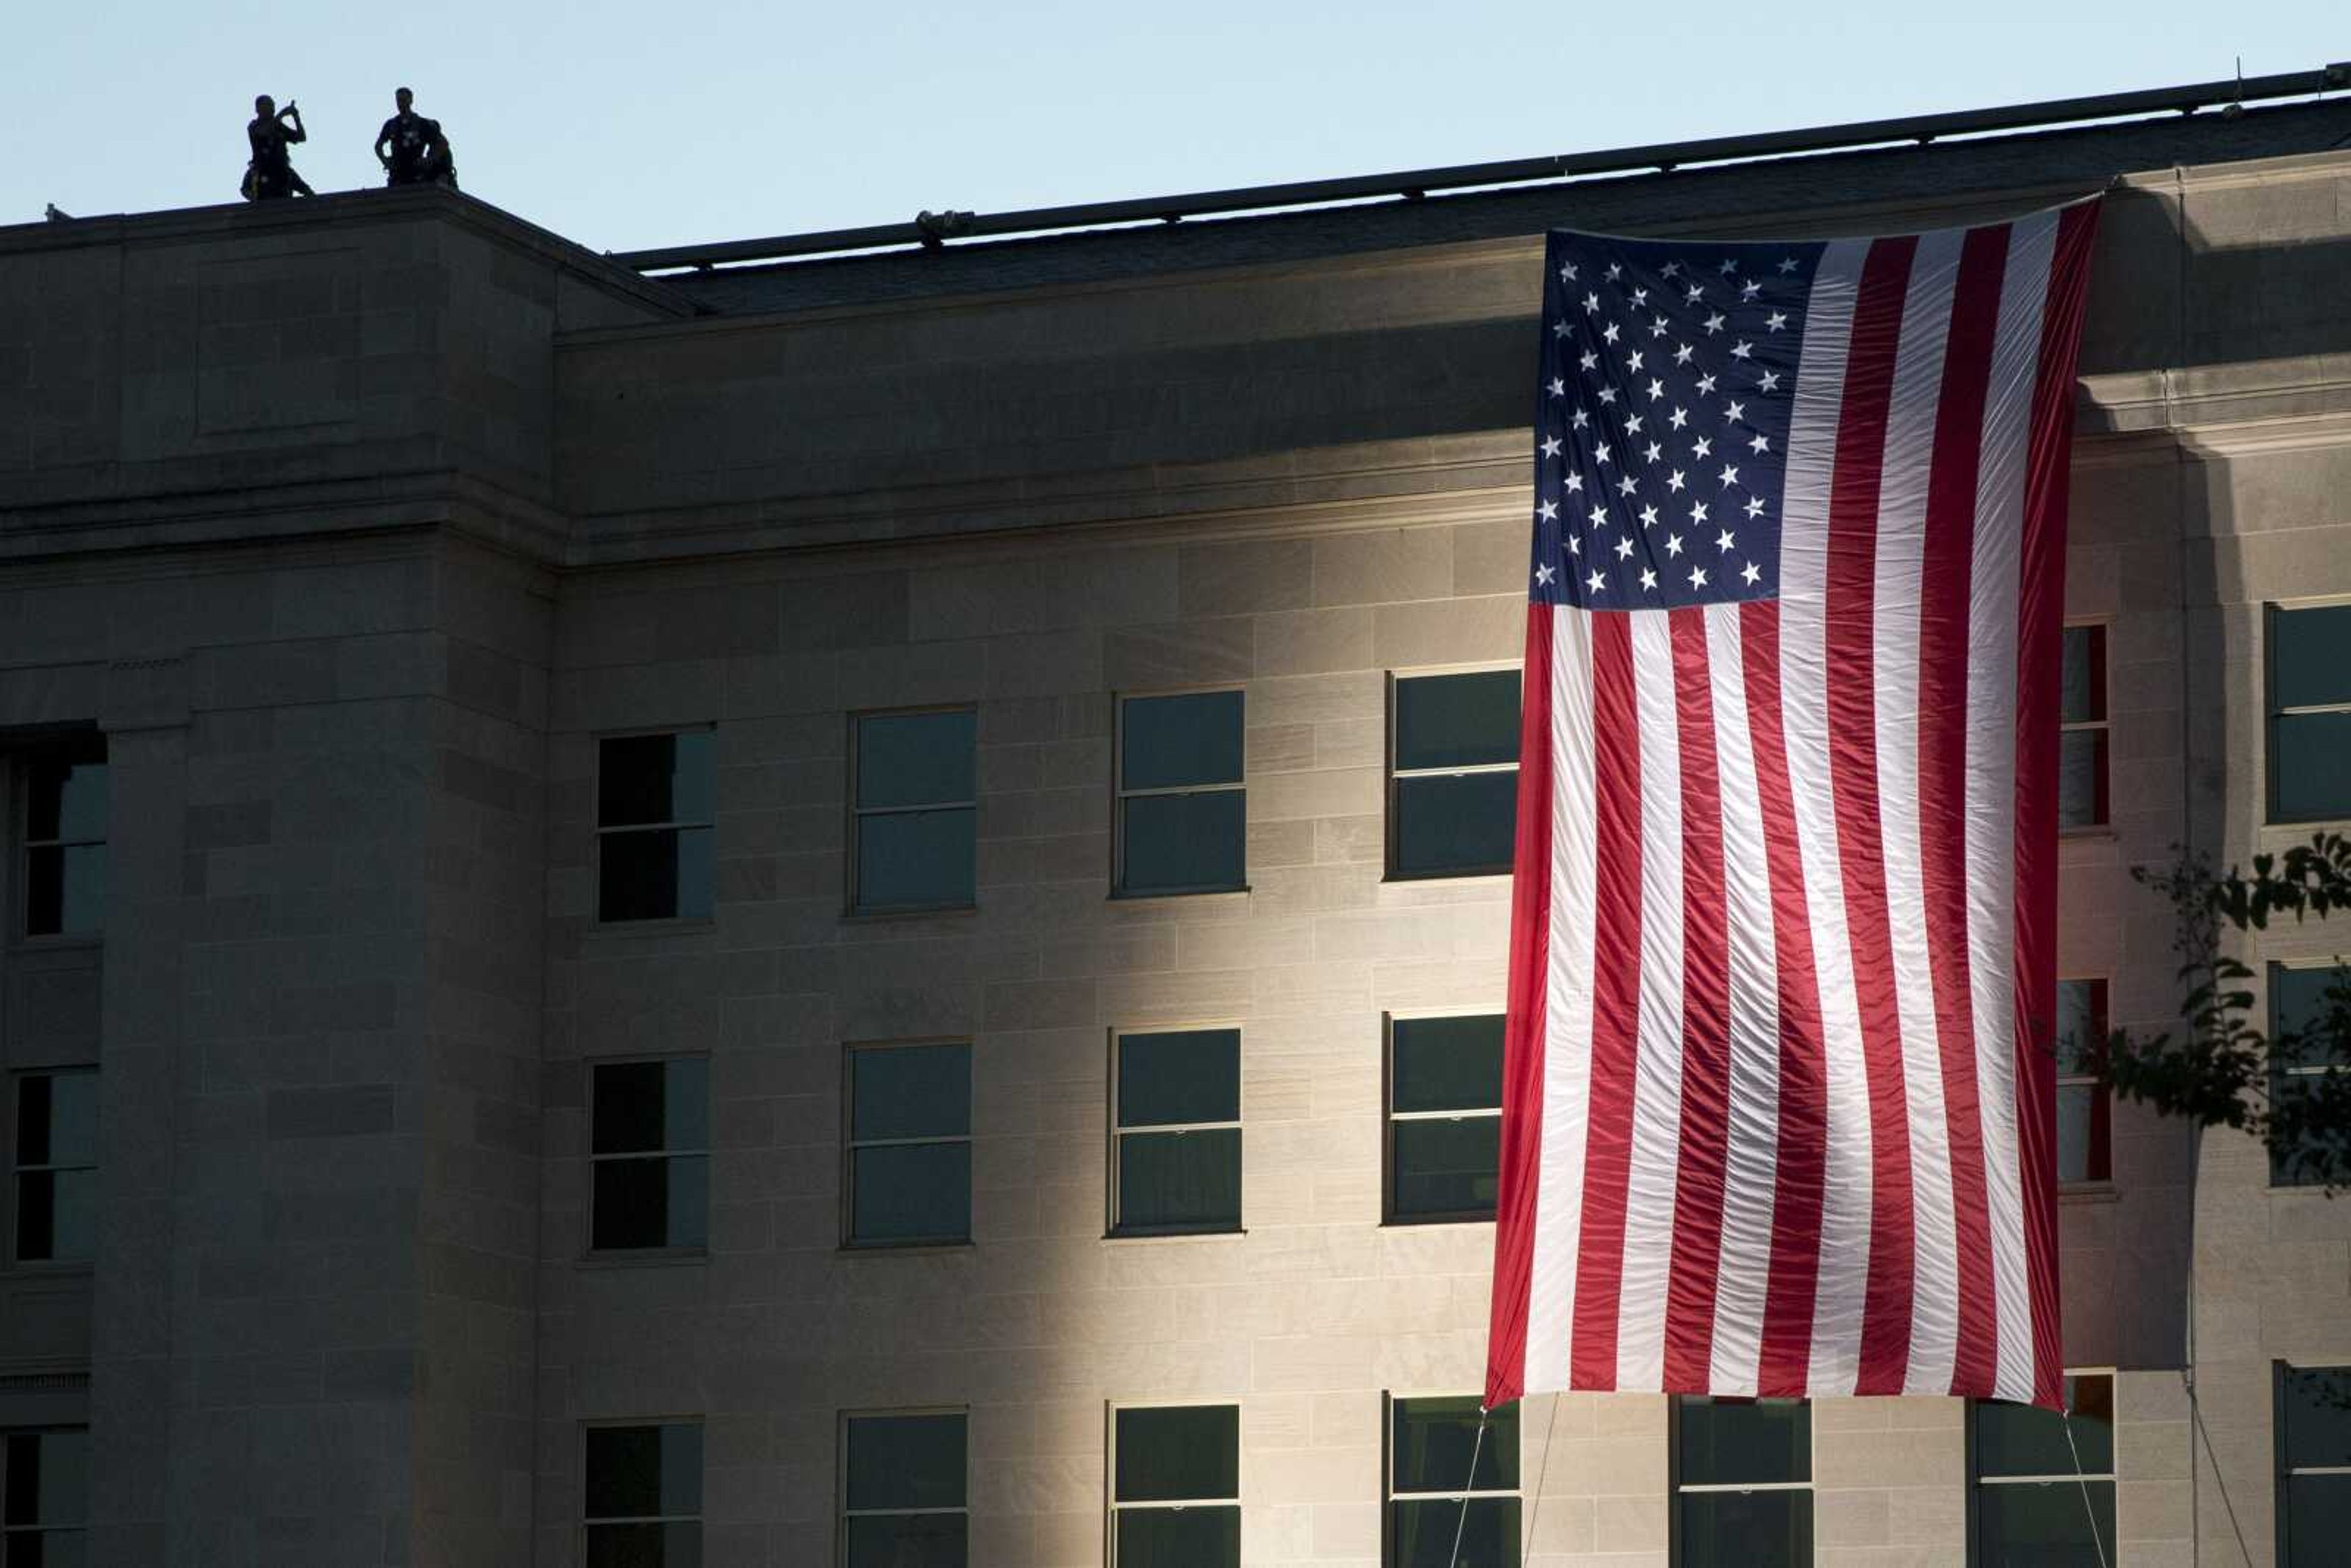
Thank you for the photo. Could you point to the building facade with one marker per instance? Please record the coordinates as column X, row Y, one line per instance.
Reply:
column 802, row 914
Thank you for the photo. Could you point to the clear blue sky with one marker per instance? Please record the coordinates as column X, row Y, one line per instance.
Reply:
column 644, row 124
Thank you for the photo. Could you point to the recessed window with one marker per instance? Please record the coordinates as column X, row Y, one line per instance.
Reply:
column 2082, row 748
column 904, row 1501
column 649, row 1150
column 1175, row 1157
column 2033, row 1502
column 1434, row 1496
column 2303, row 1054
column 1444, row 1117
column 2313, row 1464
column 45, row 1498
column 56, row 1165
column 2310, row 713
column 66, row 809
column 1742, row 1483
column 1453, row 778
column 1183, row 813
column 654, row 826
column 644, row 1496
column 915, row 810
column 2085, row 1112
column 1176, row 1486
column 909, row 1147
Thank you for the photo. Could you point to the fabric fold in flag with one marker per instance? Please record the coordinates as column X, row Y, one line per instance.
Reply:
column 1779, row 1083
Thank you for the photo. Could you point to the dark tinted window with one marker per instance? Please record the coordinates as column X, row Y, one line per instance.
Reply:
column 2033, row 1504
column 45, row 1496
column 2085, row 1110
column 2082, row 752
column 916, row 822
column 2310, row 713
column 2306, row 1055
column 904, row 1492
column 1178, row 1453
column 909, row 1143
column 649, row 1140
column 1444, row 1097
column 66, row 818
column 643, row 1497
column 1430, row 1445
column 1183, row 818
column 1744, row 1442
column 56, row 1166
column 1453, row 792
column 1178, row 1141
column 654, row 842
column 2313, row 1446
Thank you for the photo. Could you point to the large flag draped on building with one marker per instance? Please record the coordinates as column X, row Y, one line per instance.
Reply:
column 1779, row 1096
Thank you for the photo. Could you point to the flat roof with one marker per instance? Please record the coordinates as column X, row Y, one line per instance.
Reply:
column 1724, row 198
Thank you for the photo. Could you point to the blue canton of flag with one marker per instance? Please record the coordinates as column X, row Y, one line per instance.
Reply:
column 1668, row 375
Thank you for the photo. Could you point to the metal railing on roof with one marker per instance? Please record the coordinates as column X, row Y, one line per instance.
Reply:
column 932, row 229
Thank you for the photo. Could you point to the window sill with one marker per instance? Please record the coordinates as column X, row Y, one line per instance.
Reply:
column 891, row 916
column 1395, row 1222
column 681, row 925
column 1228, row 895
column 651, row 1258
column 1225, row 1233
column 60, row 942
column 904, row 1249
column 1421, row 878
column 2070, row 1192
column 26, row 1268
column 2090, row 833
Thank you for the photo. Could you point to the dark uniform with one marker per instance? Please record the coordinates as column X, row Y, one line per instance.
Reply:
column 418, row 155
column 271, row 173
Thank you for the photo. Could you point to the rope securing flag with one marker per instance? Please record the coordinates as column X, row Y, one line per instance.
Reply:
column 1778, row 1106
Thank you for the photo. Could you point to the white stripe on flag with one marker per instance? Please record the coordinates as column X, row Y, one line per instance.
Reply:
column 1898, row 590
column 1805, row 704
column 1750, row 1163
column 1567, row 1006
column 1651, row 1176
column 1992, row 591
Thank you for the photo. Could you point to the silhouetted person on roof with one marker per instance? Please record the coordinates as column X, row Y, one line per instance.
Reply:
column 411, row 149
column 270, row 174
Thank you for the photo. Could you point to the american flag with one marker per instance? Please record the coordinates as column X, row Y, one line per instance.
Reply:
column 1779, row 1099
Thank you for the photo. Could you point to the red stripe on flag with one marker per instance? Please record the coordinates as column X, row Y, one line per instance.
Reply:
column 2040, row 630
column 1943, row 779
column 1615, row 1002
column 1852, row 765
column 1706, row 1022
column 1522, row 1050
column 1786, row 1360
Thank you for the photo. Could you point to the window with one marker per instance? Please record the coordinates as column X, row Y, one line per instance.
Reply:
column 902, row 1499
column 1175, row 1156
column 653, row 833
column 1444, row 1117
column 65, row 842
column 2085, row 1112
column 2298, row 1061
column 44, row 1498
column 1176, row 1486
column 913, row 812
column 2031, row 1503
column 1182, row 815
column 2313, row 1407
column 2310, row 713
column 909, row 1145
column 644, row 1496
column 1742, row 1483
column 1433, row 1495
column 56, row 1165
column 2082, row 748
column 649, row 1150
column 1453, row 779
